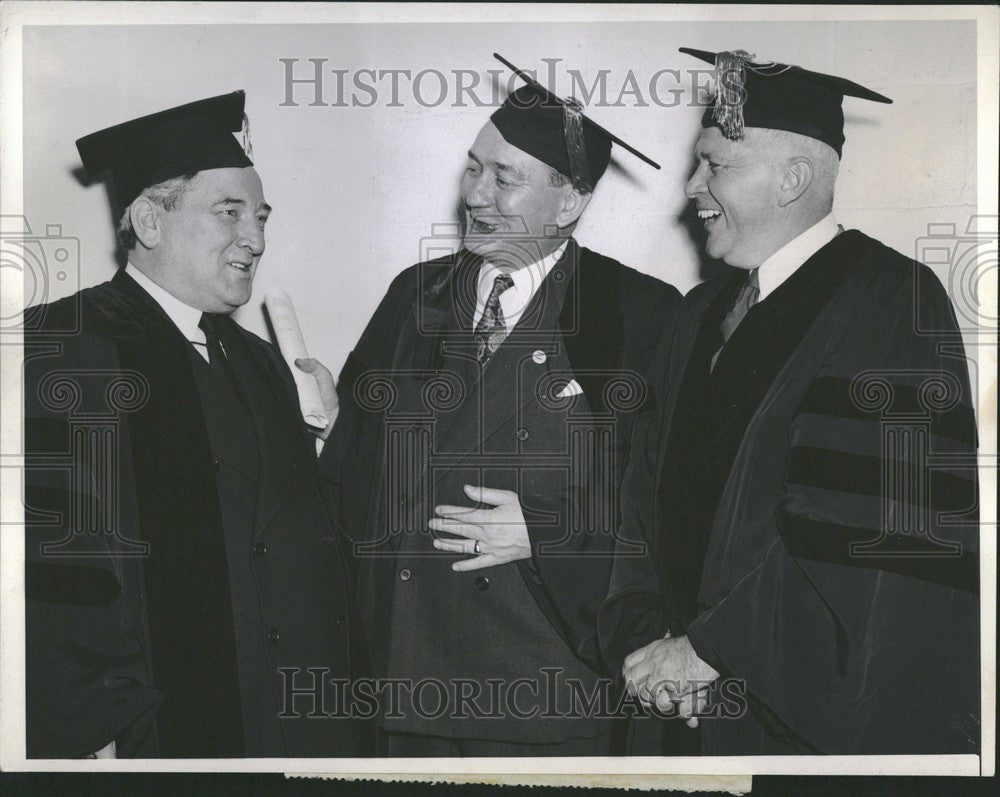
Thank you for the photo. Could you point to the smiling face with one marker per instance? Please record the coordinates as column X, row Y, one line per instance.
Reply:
column 513, row 212
column 735, row 188
column 208, row 246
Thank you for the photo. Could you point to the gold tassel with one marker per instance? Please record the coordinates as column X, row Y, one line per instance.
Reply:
column 730, row 72
column 575, row 148
column 247, row 144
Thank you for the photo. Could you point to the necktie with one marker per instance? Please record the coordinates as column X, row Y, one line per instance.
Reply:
column 209, row 325
column 491, row 329
column 217, row 359
column 745, row 299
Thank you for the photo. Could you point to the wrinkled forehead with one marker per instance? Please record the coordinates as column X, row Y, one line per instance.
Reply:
column 492, row 149
column 242, row 184
column 711, row 142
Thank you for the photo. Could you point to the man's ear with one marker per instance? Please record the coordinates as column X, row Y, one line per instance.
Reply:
column 574, row 203
column 145, row 216
column 796, row 179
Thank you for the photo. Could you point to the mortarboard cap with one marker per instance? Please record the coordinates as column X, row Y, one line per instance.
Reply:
column 555, row 131
column 154, row 148
column 779, row 97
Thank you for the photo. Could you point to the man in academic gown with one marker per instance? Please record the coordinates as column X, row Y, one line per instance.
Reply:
column 183, row 570
column 483, row 425
column 813, row 584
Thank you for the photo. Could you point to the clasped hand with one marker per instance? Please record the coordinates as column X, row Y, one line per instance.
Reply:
column 493, row 536
column 668, row 671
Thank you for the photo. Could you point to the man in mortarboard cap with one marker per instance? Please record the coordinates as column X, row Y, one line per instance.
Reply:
column 196, row 574
column 794, row 561
column 483, row 498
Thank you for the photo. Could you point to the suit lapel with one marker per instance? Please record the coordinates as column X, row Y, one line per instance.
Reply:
column 255, row 373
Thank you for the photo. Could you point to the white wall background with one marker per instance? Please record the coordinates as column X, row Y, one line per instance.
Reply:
column 356, row 190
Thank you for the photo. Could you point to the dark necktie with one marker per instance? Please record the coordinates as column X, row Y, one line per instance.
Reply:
column 209, row 325
column 492, row 329
column 745, row 299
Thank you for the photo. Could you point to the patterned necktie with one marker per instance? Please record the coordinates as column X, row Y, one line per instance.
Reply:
column 208, row 325
column 492, row 330
column 746, row 299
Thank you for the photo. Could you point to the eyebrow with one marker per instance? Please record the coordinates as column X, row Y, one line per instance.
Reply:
column 229, row 200
column 516, row 173
column 513, row 171
column 704, row 154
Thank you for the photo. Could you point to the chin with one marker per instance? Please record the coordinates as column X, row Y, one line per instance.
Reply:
column 480, row 247
column 235, row 302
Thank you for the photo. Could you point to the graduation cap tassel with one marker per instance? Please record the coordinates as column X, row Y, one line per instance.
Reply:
column 729, row 93
column 575, row 148
column 245, row 131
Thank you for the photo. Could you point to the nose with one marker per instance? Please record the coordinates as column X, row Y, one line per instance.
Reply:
column 696, row 183
column 251, row 237
column 476, row 190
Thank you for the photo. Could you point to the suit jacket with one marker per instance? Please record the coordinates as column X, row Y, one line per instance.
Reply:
column 786, row 541
column 418, row 420
column 139, row 575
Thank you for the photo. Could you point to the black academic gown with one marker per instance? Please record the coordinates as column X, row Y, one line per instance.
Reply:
column 418, row 420
column 169, row 577
column 838, row 409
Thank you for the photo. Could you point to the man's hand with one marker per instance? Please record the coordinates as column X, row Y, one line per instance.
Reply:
column 327, row 390
column 500, row 532
column 690, row 707
column 669, row 671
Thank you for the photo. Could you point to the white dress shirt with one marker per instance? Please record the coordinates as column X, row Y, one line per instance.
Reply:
column 185, row 317
column 515, row 300
column 786, row 261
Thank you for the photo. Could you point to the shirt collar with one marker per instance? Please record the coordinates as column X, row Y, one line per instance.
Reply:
column 527, row 280
column 786, row 261
column 185, row 317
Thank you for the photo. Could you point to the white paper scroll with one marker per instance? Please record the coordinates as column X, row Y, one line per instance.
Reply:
column 293, row 347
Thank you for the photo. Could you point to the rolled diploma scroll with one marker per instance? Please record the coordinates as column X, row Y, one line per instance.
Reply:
column 293, row 347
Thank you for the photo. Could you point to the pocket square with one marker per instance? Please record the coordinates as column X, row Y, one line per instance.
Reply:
column 571, row 389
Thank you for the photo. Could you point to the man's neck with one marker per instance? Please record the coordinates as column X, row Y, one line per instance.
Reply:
column 786, row 260
column 538, row 249
column 184, row 316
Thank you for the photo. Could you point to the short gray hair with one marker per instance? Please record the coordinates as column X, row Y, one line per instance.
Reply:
column 823, row 157
column 167, row 195
column 557, row 179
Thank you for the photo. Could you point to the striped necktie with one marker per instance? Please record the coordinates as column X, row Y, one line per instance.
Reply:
column 492, row 329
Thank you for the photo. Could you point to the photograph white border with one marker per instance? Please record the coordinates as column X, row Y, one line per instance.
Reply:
column 588, row 770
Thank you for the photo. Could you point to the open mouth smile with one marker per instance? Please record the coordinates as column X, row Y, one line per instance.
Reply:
column 484, row 227
column 708, row 216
